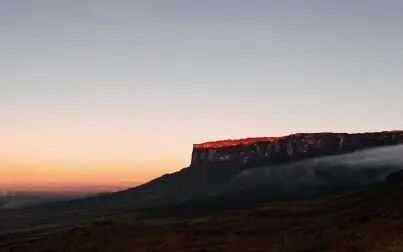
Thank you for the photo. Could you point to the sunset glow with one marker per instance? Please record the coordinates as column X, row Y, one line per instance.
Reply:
column 116, row 94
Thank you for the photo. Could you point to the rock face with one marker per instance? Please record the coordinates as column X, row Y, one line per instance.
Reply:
column 268, row 150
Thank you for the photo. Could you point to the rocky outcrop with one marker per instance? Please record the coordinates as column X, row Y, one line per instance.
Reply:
column 268, row 150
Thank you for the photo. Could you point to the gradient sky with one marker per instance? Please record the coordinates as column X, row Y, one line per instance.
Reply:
column 112, row 92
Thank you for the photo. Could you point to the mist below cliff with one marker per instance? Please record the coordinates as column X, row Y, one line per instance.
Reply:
column 348, row 170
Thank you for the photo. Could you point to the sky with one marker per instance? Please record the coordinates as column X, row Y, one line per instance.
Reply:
column 116, row 92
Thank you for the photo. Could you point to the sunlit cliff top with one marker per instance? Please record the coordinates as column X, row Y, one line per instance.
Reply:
column 253, row 140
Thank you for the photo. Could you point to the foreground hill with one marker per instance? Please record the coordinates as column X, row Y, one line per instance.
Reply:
column 366, row 220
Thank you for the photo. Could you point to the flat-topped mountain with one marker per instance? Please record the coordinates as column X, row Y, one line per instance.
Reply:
column 198, row 208
column 239, row 173
column 250, row 152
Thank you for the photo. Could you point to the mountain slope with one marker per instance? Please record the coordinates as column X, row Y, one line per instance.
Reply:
column 222, row 185
column 366, row 220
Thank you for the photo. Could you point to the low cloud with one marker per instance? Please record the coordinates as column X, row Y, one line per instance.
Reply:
column 354, row 169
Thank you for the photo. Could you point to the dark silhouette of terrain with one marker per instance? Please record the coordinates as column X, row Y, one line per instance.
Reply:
column 20, row 199
column 370, row 219
column 330, row 201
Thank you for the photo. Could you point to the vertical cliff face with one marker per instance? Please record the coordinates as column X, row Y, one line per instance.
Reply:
column 267, row 150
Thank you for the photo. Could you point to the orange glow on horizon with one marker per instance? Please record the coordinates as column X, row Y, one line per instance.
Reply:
column 75, row 187
column 68, row 163
column 77, row 177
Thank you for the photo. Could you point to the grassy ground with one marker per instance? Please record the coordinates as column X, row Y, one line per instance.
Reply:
column 352, row 222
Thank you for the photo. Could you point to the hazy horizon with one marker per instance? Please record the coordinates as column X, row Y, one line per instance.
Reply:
column 62, row 187
column 116, row 92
